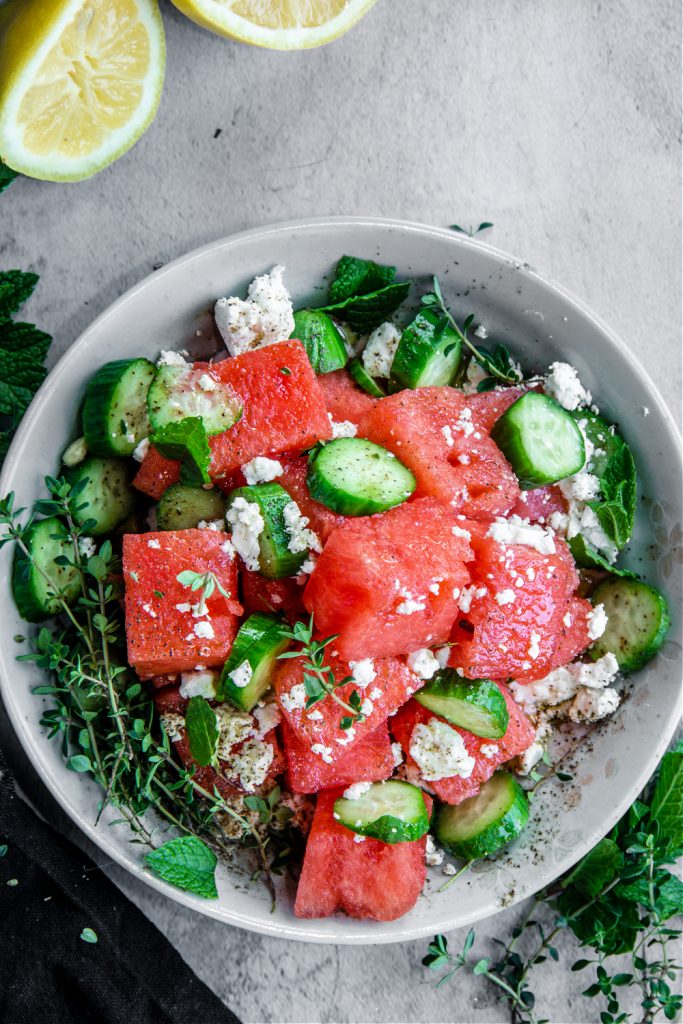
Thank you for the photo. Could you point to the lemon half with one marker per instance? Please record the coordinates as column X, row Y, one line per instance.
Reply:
column 80, row 80
column 277, row 24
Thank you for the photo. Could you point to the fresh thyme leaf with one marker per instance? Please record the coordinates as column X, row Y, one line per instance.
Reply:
column 187, row 863
column 15, row 288
column 202, row 730
column 471, row 231
column 187, row 441
column 3, row 849
column 7, row 176
column 88, row 935
column 356, row 276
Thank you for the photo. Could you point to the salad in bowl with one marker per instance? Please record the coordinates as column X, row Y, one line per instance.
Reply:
column 326, row 589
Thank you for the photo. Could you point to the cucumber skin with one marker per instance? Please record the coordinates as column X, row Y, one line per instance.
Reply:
column 388, row 828
column 271, row 499
column 478, row 693
column 346, row 502
column 597, row 430
column 419, row 340
column 109, row 518
column 507, row 435
column 257, row 630
column 30, row 605
column 173, row 510
column 493, row 837
column 99, row 398
column 321, row 338
column 363, row 379
column 635, row 658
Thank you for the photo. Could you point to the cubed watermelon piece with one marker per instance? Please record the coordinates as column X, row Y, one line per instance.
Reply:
column 512, row 621
column 369, row 880
column 386, row 583
column 156, row 474
column 574, row 636
column 344, row 399
column 322, row 519
column 489, row 406
column 539, row 504
column 283, row 406
column 487, row 754
column 390, row 686
column 280, row 597
column 369, row 760
column 163, row 634
column 433, row 431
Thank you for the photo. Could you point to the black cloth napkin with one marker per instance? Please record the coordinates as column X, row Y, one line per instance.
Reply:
column 48, row 973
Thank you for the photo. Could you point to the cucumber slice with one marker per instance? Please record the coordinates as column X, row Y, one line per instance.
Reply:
column 181, row 508
column 393, row 812
column 275, row 558
column 115, row 408
column 364, row 380
column 485, row 823
column 478, row 706
column 606, row 440
column 178, row 393
column 34, row 596
column 356, row 477
column 106, row 496
column 540, row 440
column 322, row 338
column 638, row 620
column 252, row 658
column 428, row 353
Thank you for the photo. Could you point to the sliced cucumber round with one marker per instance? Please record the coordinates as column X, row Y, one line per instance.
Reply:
column 115, row 409
column 105, row 496
column 178, row 393
column 428, row 353
column 485, row 823
column 356, row 477
column 478, row 706
column 275, row 559
column 35, row 595
column 638, row 620
column 540, row 440
column 181, row 508
column 364, row 380
column 393, row 812
column 322, row 338
column 248, row 672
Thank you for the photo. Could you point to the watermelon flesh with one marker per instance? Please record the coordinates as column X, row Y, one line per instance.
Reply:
column 539, row 504
column 385, row 584
column 369, row 760
column 434, row 432
column 391, row 686
column 156, row 474
column 164, row 636
column 518, row 737
column 369, row 880
column 345, row 401
column 489, row 406
column 274, row 597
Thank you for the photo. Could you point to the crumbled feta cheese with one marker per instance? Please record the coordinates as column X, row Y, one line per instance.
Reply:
column 211, row 524
column 481, row 332
column 597, row 622
column 449, row 869
column 343, row 428
column 363, row 672
column 562, row 383
column 153, row 543
column 233, row 727
column 149, row 610
column 296, row 527
column 251, row 763
column 489, row 749
column 198, row 684
column 580, row 487
column 469, row 594
column 423, row 663
column 397, row 754
column 535, row 646
column 349, row 738
column 410, row 604
column 308, row 565
column 173, row 725
column 359, row 839
column 458, row 531
column 204, row 630
column 442, row 656
column 505, row 597
column 433, row 857
column 295, row 699
column 86, row 547
column 315, row 715
column 261, row 470
column 378, row 354
column 592, row 705
column 266, row 316
column 464, row 424
column 475, row 375
column 516, row 530
column 646, row 411
column 228, row 549
column 324, row 752
column 448, row 434
column 207, row 383
column 367, row 707
column 241, row 676
column 356, row 790
column 267, row 715
column 439, row 751
column 247, row 526
column 375, row 694
column 530, row 757
column 167, row 358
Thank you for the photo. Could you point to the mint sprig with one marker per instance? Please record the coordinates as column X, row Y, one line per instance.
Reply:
column 187, row 863
column 616, row 509
column 202, row 730
column 187, row 441
column 363, row 313
column 356, row 276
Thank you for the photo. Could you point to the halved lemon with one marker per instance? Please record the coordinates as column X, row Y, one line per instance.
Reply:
column 277, row 24
column 80, row 80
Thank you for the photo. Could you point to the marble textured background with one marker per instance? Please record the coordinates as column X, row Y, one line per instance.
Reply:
column 558, row 122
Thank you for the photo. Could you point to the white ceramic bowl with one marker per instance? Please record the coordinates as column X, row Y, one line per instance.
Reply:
column 540, row 322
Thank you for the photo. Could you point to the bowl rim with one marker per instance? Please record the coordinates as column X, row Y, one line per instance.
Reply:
column 260, row 923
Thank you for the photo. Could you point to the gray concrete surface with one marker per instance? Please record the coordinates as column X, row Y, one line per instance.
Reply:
column 558, row 122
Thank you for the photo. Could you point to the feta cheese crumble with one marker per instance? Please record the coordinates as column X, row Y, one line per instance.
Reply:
column 489, row 749
column 344, row 428
column 204, row 630
column 247, row 526
column 378, row 354
column 504, row 597
column 363, row 672
column 241, row 676
column 516, row 530
column 433, row 857
column 439, row 751
column 296, row 527
column 597, row 622
column 423, row 663
column 87, row 547
column 267, row 715
column 410, row 604
column 562, row 383
column 167, row 358
column 324, row 752
column 261, row 470
column 295, row 700
column 356, row 790
column 266, row 316
column 251, row 763
column 141, row 450
column 198, row 684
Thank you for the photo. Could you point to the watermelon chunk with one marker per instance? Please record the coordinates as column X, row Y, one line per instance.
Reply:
column 285, row 596
column 163, row 635
column 322, row 519
column 156, row 474
column 283, row 406
column 391, row 686
column 539, row 504
column 369, row 760
column 433, row 431
column 489, row 406
column 514, row 622
column 344, row 399
column 487, row 754
column 386, row 583
column 370, row 879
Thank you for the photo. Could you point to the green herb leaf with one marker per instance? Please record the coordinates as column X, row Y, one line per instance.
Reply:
column 188, row 442
column 79, row 763
column 616, row 512
column 7, row 176
column 365, row 312
column 669, row 901
column 667, row 801
column 88, row 935
column 187, row 863
column 586, row 556
column 202, row 730
column 597, row 868
column 359, row 277
column 15, row 288
column 22, row 352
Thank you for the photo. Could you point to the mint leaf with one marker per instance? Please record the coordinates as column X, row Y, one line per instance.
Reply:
column 669, row 901
column 358, row 277
column 666, row 807
column 596, row 869
column 22, row 353
column 7, row 176
column 202, row 730
column 616, row 512
column 15, row 288
column 586, row 556
column 187, row 441
column 187, row 863
column 365, row 312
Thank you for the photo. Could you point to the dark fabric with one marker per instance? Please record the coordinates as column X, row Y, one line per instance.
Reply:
column 48, row 974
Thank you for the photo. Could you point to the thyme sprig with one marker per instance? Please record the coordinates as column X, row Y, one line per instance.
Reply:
column 205, row 582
